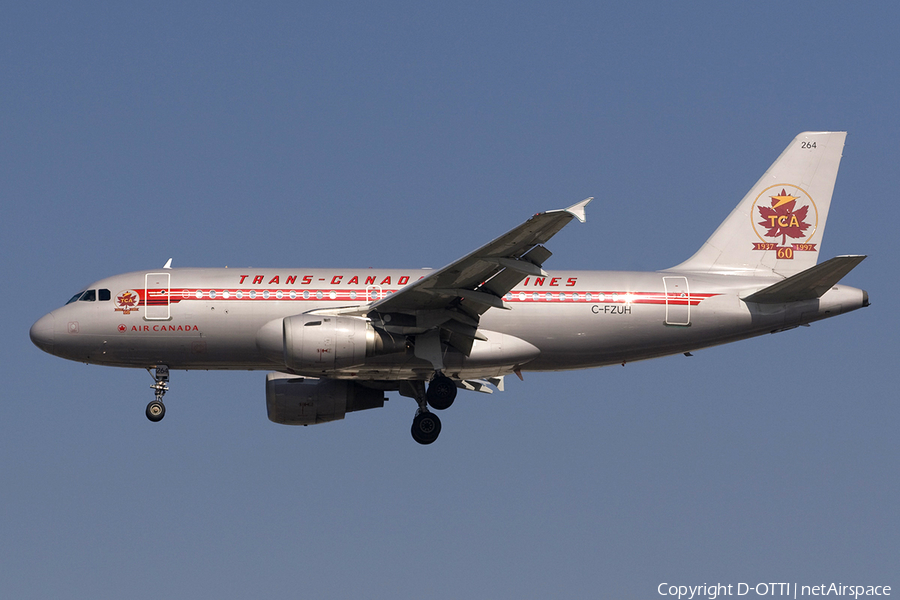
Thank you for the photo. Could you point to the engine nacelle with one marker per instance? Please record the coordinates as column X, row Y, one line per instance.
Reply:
column 323, row 343
column 292, row 400
column 320, row 344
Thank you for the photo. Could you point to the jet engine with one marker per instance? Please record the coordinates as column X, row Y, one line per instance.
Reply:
column 292, row 400
column 320, row 344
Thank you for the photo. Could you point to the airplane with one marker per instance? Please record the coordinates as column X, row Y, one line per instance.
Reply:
column 337, row 340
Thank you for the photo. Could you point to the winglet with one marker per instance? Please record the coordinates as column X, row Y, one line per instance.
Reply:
column 168, row 264
column 577, row 210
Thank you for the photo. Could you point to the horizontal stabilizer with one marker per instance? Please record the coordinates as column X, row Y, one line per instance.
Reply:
column 808, row 284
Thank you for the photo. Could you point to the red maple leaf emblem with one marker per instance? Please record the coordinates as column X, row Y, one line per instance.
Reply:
column 781, row 219
column 127, row 299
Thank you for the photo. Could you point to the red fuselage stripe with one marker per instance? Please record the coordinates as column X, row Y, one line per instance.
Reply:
column 157, row 297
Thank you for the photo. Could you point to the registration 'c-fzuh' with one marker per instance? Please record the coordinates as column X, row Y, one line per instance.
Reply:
column 336, row 340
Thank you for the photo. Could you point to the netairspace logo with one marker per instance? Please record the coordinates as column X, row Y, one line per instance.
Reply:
column 794, row 590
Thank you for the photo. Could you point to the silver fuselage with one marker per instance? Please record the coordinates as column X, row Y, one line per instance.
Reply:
column 218, row 319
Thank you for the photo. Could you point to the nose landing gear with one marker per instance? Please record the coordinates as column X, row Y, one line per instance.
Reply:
column 156, row 410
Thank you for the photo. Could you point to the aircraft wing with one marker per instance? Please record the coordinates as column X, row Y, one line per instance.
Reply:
column 453, row 298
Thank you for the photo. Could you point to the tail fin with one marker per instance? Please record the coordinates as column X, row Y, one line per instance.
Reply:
column 778, row 226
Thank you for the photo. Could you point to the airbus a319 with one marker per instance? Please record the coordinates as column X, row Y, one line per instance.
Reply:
column 337, row 340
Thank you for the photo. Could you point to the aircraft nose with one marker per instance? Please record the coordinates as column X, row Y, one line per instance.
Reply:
column 42, row 332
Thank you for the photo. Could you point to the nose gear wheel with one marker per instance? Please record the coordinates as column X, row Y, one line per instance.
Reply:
column 156, row 410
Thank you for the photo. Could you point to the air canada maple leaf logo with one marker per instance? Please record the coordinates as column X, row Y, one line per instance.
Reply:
column 784, row 218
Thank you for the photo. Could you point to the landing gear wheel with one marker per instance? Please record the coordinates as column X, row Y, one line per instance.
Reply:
column 156, row 410
column 441, row 392
column 426, row 427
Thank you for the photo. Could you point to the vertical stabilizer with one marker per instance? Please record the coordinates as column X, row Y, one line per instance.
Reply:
column 778, row 226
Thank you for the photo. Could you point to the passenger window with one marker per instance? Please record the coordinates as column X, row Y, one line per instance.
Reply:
column 89, row 296
column 104, row 295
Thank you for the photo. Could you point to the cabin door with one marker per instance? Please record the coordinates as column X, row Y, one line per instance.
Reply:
column 678, row 301
column 156, row 296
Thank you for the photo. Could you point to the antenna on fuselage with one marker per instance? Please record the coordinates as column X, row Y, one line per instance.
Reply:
column 168, row 264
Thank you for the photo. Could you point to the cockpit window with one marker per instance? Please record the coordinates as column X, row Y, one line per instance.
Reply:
column 90, row 296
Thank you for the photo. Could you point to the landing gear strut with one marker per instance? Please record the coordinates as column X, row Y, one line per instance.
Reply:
column 426, row 425
column 156, row 410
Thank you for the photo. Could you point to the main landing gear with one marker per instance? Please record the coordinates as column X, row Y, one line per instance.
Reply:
column 156, row 410
column 441, row 392
column 426, row 425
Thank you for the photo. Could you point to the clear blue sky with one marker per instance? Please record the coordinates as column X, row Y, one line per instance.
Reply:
column 354, row 134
